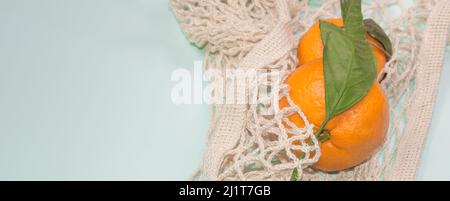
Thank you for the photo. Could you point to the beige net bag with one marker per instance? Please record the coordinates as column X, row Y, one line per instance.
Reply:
column 248, row 142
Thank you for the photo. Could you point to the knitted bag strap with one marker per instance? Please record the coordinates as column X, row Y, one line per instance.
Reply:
column 430, row 63
column 232, row 118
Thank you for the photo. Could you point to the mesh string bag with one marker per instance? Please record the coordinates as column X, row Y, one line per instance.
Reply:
column 250, row 141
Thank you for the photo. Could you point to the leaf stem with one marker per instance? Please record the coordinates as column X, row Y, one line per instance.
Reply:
column 323, row 135
column 322, row 127
column 294, row 175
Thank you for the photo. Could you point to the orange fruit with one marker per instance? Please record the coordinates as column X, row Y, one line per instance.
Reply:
column 356, row 134
column 310, row 46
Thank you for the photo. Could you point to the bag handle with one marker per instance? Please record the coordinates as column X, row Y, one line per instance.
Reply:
column 232, row 118
column 431, row 59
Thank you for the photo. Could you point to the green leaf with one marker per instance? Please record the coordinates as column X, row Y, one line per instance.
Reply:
column 353, row 19
column 378, row 33
column 326, row 28
column 349, row 70
column 294, row 175
column 349, row 63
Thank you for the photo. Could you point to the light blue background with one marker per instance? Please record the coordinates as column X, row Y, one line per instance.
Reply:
column 85, row 94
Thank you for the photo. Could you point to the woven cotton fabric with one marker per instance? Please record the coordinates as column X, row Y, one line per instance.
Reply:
column 245, row 143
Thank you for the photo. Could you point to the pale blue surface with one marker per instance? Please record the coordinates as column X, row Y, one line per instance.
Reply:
column 85, row 94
